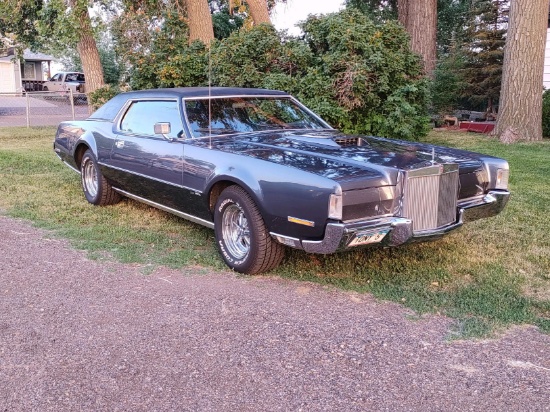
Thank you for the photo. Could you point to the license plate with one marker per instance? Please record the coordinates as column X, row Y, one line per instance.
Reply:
column 366, row 238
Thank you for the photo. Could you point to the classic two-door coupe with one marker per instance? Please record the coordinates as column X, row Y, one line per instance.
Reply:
column 265, row 172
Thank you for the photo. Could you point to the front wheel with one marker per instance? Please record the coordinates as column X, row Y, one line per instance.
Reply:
column 241, row 235
column 96, row 189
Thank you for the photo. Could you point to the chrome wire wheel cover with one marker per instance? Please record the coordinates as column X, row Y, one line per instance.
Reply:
column 235, row 231
column 89, row 178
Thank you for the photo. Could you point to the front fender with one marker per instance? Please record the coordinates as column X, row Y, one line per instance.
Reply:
column 240, row 177
column 281, row 193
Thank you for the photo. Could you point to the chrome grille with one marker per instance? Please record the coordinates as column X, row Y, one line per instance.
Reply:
column 430, row 196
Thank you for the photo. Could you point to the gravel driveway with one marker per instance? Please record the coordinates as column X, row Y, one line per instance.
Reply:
column 81, row 335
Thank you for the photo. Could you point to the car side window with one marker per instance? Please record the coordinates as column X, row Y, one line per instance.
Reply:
column 141, row 116
column 56, row 77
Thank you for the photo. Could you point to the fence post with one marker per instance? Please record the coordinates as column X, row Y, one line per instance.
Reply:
column 28, row 110
column 71, row 97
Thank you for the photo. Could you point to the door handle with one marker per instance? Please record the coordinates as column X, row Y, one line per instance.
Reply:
column 119, row 144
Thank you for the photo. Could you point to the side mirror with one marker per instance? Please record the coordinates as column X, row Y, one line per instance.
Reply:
column 162, row 128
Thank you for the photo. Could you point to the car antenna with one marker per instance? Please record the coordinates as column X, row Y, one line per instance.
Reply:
column 209, row 100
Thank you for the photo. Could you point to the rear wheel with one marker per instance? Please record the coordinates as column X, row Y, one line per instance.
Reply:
column 96, row 189
column 241, row 235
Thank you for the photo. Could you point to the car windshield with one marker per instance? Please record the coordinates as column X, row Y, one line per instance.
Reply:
column 247, row 114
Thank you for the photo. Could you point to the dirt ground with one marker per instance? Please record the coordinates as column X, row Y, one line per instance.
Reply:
column 82, row 335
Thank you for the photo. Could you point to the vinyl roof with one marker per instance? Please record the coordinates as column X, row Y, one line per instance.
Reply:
column 110, row 109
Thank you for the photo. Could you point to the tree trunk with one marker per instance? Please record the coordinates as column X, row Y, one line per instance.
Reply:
column 258, row 11
column 87, row 48
column 200, row 21
column 403, row 12
column 420, row 20
column 520, row 108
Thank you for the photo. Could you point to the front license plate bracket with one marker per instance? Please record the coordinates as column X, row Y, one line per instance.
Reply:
column 365, row 238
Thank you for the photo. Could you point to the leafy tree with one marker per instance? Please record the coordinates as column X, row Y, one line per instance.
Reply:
column 451, row 17
column 168, row 60
column 366, row 79
column 18, row 18
column 378, row 10
column 108, row 57
column 225, row 21
column 484, row 52
column 50, row 24
column 419, row 17
column 359, row 75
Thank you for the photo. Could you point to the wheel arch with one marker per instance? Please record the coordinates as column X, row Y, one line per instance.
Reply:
column 79, row 153
column 86, row 142
column 218, row 185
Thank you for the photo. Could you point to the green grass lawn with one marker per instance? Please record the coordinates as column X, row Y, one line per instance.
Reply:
column 488, row 275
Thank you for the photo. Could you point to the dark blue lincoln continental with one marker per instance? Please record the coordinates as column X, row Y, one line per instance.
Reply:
column 266, row 172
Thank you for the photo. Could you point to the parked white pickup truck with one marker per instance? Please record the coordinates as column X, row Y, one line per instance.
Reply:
column 65, row 81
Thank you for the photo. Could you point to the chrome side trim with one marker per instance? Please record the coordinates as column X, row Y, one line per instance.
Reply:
column 167, row 209
column 71, row 167
column 151, row 178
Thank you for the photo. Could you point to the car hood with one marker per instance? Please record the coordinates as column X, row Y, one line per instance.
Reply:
column 352, row 161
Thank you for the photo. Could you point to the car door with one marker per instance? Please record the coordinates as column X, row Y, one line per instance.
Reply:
column 145, row 164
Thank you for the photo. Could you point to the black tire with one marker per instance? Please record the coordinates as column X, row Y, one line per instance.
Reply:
column 96, row 189
column 241, row 235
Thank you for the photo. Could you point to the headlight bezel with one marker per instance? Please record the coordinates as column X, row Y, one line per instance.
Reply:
column 335, row 206
column 502, row 179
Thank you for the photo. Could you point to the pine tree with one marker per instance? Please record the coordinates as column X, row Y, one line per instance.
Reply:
column 484, row 52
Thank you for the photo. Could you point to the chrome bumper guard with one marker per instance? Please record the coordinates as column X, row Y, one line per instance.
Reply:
column 395, row 231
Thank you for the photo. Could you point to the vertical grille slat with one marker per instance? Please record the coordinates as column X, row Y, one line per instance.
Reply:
column 448, row 195
column 430, row 198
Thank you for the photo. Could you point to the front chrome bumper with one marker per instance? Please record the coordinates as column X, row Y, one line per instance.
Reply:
column 396, row 230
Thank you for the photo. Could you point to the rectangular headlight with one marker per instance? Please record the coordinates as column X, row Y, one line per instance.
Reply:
column 335, row 207
column 502, row 179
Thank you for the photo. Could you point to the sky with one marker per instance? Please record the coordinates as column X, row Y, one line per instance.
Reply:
column 285, row 16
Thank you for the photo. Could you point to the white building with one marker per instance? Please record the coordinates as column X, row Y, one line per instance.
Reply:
column 546, row 78
column 17, row 76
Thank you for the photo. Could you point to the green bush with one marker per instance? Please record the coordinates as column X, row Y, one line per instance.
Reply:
column 546, row 113
column 359, row 75
column 100, row 96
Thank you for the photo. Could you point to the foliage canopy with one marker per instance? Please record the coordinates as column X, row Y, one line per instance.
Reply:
column 359, row 75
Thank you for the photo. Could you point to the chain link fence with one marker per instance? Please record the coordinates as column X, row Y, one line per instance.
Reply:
column 42, row 108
